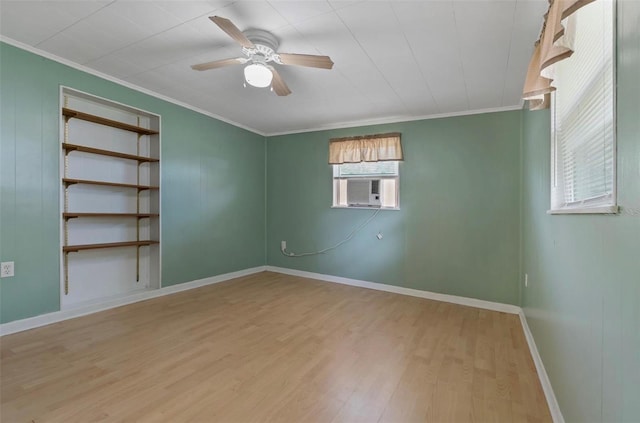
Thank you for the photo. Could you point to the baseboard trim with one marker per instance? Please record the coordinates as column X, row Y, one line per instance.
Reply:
column 552, row 401
column 471, row 302
column 58, row 316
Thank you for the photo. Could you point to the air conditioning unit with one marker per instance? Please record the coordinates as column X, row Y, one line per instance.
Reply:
column 363, row 192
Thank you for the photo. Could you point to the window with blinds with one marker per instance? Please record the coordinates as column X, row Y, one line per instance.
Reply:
column 583, row 117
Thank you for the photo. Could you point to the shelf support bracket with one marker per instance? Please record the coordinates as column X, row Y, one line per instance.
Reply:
column 138, row 264
column 138, row 206
column 66, row 273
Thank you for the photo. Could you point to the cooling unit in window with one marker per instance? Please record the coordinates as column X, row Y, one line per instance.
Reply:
column 363, row 192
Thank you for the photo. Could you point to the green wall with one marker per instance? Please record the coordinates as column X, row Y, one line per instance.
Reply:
column 583, row 299
column 212, row 184
column 458, row 228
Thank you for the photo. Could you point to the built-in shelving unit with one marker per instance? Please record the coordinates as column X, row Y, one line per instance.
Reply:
column 110, row 196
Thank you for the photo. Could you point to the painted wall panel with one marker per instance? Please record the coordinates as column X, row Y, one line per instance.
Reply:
column 458, row 228
column 213, row 195
column 583, row 300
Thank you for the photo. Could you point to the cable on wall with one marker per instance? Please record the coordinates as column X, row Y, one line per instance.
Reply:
column 347, row 239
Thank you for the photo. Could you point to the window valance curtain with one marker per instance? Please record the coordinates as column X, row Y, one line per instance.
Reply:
column 368, row 148
column 555, row 44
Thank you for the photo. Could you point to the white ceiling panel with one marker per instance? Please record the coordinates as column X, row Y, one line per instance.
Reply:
column 393, row 59
column 145, row 15
column 152, row 80
column 484, row 52
column 382, row 37
column 188, row 10
column 351, row 60
column 431, row 31
column 339, row 4
column 92, row 37
column 115, row 67
column 253, row 14
column 113, row 22
column 70, row 47
column 298, row 11
column 32, row 22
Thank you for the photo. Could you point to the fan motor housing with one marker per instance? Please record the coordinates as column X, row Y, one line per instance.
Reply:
column 259, row 36
column 266, row 45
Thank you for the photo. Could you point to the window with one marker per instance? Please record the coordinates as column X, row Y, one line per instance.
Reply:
column 366, row 170
column 583, row 117
column 366, row 184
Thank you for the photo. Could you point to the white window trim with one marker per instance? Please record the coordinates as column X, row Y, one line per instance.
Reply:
column 365, row 208
column 583, row 207
column 586, row 210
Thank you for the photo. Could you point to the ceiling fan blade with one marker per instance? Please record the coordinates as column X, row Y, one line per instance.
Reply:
column 278, row 84
column 219, row 64
column 227, row 26
column 308, row 60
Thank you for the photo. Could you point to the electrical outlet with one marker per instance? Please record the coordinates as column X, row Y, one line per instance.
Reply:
column 6, row 269
column 526, row 280
column 283, row 245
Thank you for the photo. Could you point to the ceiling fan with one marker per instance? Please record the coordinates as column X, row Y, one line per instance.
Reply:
column 260, row 47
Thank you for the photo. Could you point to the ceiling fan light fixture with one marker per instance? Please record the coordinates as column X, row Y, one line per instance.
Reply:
column 258, row 75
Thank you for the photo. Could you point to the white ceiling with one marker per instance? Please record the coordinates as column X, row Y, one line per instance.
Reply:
column 394, row 60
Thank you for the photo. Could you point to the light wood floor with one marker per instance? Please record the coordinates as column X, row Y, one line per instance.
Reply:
column 271, row 347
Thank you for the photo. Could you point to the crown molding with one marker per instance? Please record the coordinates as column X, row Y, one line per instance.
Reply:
column 396, row 119
column 126, row 84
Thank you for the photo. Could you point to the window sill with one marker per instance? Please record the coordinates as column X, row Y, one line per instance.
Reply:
column 365, row 208
column 586, row 210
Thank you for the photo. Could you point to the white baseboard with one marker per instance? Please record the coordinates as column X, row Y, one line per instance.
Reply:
column 554, row 407
column 58, row 316
column 471, row 302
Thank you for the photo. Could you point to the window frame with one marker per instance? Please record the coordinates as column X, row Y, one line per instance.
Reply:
column 593, row 205
column 335, row 179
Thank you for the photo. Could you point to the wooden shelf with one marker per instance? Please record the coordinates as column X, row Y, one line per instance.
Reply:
column 70, row 113
column 76, row 248
column 138, row 215
column 69, row 181
column 85, row 149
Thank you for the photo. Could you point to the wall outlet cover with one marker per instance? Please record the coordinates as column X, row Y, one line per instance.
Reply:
column 6, row 269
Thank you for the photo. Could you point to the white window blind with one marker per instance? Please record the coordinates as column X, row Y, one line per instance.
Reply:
column 583, row 115
column 364, row 169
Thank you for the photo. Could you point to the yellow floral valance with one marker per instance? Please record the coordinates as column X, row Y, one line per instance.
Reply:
column 368, row 148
